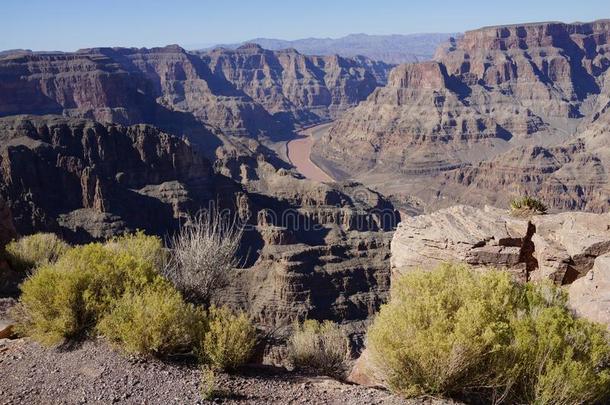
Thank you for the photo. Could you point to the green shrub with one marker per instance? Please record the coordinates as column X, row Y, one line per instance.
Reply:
column 141, row 246
column 458, row 332
column 553, row 357
column 228, row 341
column 52, row 307
column 208, row 386
column 64, row 299
column 319, row 346
column 154, row 321
column 35, row 250
column 527, row 206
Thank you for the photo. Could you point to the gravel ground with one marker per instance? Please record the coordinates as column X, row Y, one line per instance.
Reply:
column 95, row 373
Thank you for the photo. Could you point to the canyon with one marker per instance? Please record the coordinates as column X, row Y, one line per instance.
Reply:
column 500, row 112
column 321, row 157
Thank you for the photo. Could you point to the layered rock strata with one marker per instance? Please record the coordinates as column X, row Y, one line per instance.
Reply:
column 517, row 109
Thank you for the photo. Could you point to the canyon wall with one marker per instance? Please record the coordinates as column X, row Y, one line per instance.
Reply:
column 502, row 111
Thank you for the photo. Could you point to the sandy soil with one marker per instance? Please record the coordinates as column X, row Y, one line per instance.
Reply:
column 299, row 150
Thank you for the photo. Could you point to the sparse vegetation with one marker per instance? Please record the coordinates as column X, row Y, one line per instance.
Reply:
column 154, row 321
column 454, row 331
column 116, row 289
column 527, row 206
column 65, row 299
column 228, row 340
column 35, row 250
column 208, row 386
column 320, row 347
column 201, row 256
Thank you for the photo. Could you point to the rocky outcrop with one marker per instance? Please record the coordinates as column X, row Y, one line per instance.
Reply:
column 515, row 108
column 296, row 88
column 590, row 295
column 7, row 229
column 128, row 86
column 87, row 180
column 561, row 247
column 322, row 251
column 9, row 278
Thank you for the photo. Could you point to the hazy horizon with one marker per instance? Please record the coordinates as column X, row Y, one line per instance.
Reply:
column 67, row 25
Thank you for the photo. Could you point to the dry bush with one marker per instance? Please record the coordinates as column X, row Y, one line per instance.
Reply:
column 35, row 250
column 202, row 254
column 228, row 341
column 320, row 347
column 457, row 332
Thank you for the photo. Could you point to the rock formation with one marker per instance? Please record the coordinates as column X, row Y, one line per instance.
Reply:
column 294, row 87
column 169, row 87
column 520, row 109
column 86, row 180
column 386, row 48
column 590, row 295
column 7, row 229
column 561, row 247
column 9, row 278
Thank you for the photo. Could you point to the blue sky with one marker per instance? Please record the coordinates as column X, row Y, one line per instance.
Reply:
column 72, row 24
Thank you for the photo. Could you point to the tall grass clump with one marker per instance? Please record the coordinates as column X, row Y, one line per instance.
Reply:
column 35, row 250
column 457, row 332
column 320, row 347
column 202, row 254
column 525, row 206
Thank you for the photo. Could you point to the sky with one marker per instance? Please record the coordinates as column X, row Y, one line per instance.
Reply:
column 68, row 25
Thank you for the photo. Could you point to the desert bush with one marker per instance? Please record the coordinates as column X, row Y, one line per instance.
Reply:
column 553, row 357
column 319, row 346
column 455, row 331
column 527, row 206
column 228, row 341
column 202, row 253
column 145, row 247
column 65, row 299
column 208, row 386
column 153, row 321
column 35, row 250
column 51, row 307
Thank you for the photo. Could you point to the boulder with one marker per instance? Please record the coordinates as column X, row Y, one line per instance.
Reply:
column 486, row 237
column 590, row 295
column 561, row 247
column 567, row 244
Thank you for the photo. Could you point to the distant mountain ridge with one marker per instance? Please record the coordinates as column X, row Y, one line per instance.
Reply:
column 387, row 48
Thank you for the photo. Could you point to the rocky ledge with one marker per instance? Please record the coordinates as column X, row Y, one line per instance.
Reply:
column 571, row 248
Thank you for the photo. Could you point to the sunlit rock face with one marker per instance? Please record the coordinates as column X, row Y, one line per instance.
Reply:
column 502, row 111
